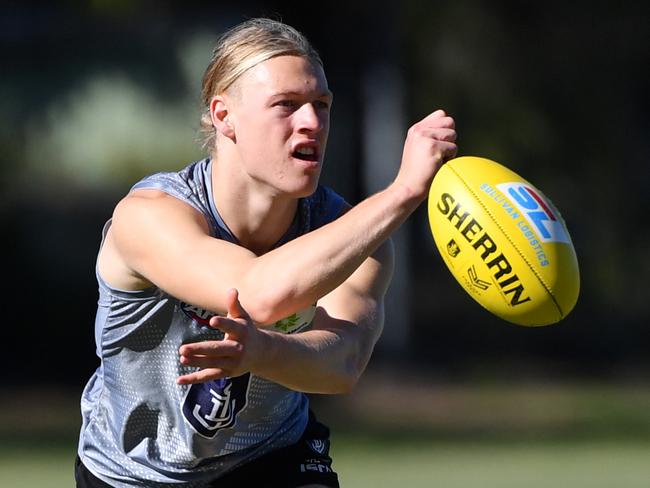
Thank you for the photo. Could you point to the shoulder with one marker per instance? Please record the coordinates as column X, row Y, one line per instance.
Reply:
column 146, row 207
column 181, row 184
column 144, row 224
column 185, row 191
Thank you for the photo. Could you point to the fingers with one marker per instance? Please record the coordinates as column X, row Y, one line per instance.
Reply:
column 227, row 365
column 201, row 376
column 439, row 133
column 235, row 324
column 447, row 135
column 439, row 118
column 226, row 357
column 447, row 151
column 235, row 310
column 223, row 348
column 218, row 359
column 225, row 324
column 441, row 128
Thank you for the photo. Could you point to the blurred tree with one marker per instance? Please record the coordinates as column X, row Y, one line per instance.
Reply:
column 97, row 94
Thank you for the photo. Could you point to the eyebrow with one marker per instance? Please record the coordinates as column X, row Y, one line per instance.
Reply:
column 327, row 93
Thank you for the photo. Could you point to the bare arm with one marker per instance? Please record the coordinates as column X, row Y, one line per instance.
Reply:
column 158, row 239
column 329, row 358
column 166, row 242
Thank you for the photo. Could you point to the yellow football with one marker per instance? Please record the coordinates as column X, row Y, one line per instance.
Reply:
column 503, row 241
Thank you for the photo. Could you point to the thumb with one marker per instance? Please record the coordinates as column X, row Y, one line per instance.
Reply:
column 235, row 310
column 227, row 325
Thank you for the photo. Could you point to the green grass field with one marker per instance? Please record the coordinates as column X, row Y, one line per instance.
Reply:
column 486, row 465
column 365, row 462
column 480, row 436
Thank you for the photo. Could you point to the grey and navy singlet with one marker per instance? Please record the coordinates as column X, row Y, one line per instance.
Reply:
column 140, row 428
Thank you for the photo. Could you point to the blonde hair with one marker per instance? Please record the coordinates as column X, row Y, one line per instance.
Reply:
column 238, row 50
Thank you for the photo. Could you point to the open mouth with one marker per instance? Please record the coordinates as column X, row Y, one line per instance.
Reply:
column 306, row 154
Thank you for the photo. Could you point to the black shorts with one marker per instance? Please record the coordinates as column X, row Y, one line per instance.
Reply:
column 303, row 463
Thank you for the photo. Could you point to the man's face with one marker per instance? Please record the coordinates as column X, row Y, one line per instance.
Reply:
column 280, row 113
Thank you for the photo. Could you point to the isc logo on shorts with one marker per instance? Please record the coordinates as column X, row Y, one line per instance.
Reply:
column 318, row 467
column 546, row 223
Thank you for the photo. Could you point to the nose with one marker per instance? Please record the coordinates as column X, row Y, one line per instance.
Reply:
column 311, row 120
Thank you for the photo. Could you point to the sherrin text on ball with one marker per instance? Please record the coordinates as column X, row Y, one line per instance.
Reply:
column 503, row 241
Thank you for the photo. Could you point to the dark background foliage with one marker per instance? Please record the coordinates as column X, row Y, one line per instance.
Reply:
column 557, row 91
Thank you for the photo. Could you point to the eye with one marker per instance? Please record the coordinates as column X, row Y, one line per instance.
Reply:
column 322, row 105
column 288, row 104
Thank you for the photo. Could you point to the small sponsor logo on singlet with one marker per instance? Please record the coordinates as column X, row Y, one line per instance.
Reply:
column 296, row 322
column 210, row 407
column 200, row 315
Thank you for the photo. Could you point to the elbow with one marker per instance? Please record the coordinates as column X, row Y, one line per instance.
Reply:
column 344, row 380
column 265, row 310
column 339, row 386
column 353, row 370
column 346, row 385
column 261, row 315
column 352, row 365
column 267, row 307
column 355, row 364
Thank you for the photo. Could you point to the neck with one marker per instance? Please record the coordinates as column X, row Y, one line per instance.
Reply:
column 256, row 214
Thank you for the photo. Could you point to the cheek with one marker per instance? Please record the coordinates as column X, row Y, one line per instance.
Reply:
column 257, row 135
column 261, row 146
column 325, row 122
column 267, row 128
column 260, row 135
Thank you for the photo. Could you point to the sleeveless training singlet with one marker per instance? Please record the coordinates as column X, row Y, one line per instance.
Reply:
column 139, row 427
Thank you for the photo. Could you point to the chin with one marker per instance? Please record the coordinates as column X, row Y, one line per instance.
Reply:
column 305, row 192
column 305, row 183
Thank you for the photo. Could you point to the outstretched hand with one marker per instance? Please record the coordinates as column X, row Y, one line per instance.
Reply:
column 232, row 356
column 429, row 144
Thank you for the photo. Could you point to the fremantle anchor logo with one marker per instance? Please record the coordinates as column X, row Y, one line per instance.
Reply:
column 317, row 445
column 212, row 406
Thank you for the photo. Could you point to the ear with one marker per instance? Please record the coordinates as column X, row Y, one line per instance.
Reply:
column 219, row 113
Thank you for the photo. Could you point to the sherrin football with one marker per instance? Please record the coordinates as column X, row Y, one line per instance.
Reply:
column 503, row 241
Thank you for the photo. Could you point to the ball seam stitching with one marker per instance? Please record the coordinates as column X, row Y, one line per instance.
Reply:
column 514, row 245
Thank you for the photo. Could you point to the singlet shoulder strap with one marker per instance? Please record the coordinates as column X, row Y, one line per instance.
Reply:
column 190, row 185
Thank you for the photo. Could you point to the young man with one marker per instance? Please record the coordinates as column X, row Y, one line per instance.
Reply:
column 233, row 287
